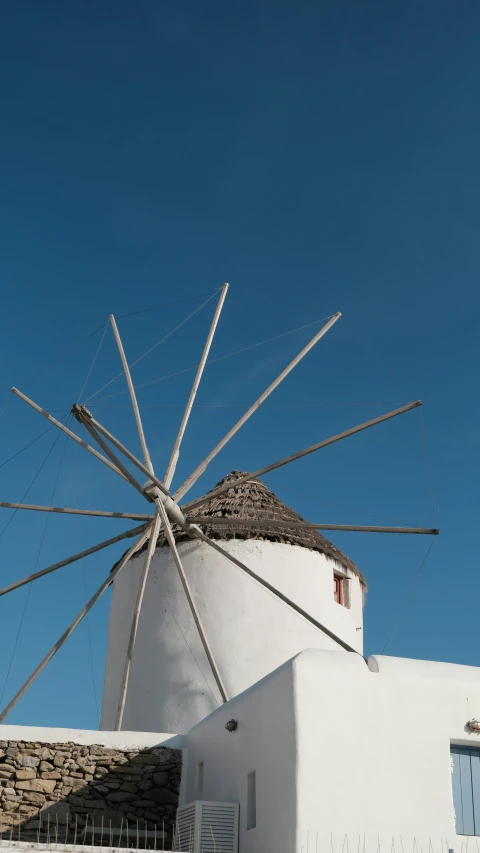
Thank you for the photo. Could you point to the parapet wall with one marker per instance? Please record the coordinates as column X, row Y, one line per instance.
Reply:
column 68, row 788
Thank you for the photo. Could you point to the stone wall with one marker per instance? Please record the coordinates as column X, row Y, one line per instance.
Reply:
column 46, row 786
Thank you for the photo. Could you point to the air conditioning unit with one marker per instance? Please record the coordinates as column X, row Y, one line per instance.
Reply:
column 204, row 827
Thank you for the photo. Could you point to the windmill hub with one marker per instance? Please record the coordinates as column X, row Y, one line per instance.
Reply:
column 172, row 509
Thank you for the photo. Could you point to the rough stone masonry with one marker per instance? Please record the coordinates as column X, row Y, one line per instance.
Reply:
column 66, row 788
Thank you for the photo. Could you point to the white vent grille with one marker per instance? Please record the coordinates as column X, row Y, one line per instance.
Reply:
column 204, row 827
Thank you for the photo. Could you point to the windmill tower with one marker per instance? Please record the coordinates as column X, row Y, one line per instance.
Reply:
column 213, row 593
column 250, row 630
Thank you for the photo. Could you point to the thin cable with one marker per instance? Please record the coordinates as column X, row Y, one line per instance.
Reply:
column 406, row 600
column 282, row 405
column 152, row 348
column 266, row 341
column 84, row 575
column 358, row 339
column 27, row 445
column 127, row 426
column 386, row 367
column 114, row 421
column 348, row 508
column 93, row 362
column 168, row 304
column 6, row 405
column 427, row 461
column 288, row 304
column 95, row 332
column 212, row 360
column 57, row 358
column 33, row 481
column 30, row 585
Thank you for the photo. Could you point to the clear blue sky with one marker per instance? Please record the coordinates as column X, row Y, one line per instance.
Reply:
column 323, row 154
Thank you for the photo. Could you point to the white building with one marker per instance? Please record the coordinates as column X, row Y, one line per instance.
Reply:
column 377, row 752
column 251, row 632
column 324, row 751
column 334, row 753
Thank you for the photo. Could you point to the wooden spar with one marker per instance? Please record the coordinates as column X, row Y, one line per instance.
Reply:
column 176, row 447
column 126, row 535
column 94, row 427
column 136, row 615
column 134, row 516
column 86, row 417
column 133, row 398
column 234, row 483
column 126, row 473
column 214, row 521
column 192, row 479
column 198, row 533
column 66, row 430
column 198, row 622
column 138, row 544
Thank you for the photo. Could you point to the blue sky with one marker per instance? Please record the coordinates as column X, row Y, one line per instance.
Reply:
column 320, row 156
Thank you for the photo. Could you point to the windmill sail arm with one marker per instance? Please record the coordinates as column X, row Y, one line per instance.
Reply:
column 67, row 431
column 23, row 689
column 286, row 461
column 192, row 479
column 83, row 415
column 135, row 618
column 133, row 397
column 191, row 602
column 126, row 473
column 133, row 516
column 214, row 521
column 126, row 535
column 181, row 431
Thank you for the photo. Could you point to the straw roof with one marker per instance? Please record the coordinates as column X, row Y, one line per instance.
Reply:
column 253, row 500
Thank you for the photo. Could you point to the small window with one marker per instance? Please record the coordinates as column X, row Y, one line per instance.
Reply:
column 466, row 789
column 338, row 589
column 251, row 801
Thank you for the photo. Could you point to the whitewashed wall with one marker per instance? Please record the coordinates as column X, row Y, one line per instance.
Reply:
column 90, row 737
column 264, row 743
column 342, row 750
column 250, row 631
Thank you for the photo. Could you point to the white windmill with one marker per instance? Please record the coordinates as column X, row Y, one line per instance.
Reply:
column 186, row 632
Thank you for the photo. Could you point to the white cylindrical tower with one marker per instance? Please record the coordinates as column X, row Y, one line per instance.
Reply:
column 250, row 631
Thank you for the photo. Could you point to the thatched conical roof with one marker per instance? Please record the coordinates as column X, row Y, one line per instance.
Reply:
column 253, row 500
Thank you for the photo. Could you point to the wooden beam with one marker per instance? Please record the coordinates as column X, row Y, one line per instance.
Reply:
column 192, row 479
column 111, row 577
column 126, row 473
column 66, row 430
column 126, row 535
column 286, row 461
column 213, row 521
column 133, row 398
column 173, row 510
column 82, row 414
column 176, row 447
column 191, row 602
column 152, row 543
column 134, row 516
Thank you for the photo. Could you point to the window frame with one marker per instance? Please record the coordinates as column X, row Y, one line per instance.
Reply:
column 466, row 788
column 338, row 589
